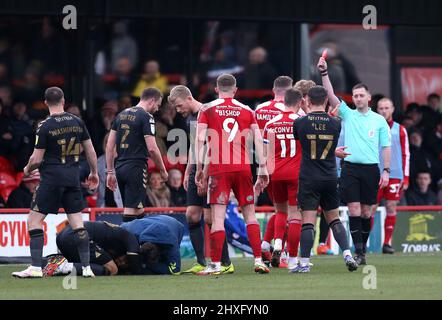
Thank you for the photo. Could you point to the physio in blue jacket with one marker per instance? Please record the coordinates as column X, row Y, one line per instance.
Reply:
column 159, row 237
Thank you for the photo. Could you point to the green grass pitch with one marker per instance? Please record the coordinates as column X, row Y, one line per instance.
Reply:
column 398, row 277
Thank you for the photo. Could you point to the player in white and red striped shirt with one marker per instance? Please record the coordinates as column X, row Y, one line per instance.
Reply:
column 399, row 171
column 283, row 163
column 265, row 112
column 226, row 125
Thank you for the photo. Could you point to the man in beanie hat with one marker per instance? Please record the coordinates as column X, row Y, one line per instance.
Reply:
column 22, row 196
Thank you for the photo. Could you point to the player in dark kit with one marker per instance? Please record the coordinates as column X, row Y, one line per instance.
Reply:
column 108, row 243
column 319, row 133
column 56, row 153
column 133, row 133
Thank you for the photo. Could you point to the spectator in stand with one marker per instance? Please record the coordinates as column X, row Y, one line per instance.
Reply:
column 6, row 133
column 48, row 50
column 123, row 46
column 408, row 123
column 420, row 159
column 124, row 102
column 222, row 65
column 74, row 109
column 177, row 192
column 422, row 195
column 151, row 78
column 157, row 192
column 102, row 124
column 4, row 75
column 125, row 79
column 5, row 52
column 341, row 70
column 6, row 97
column 433, row 141
column 106, row 198
column 433, row 101
column 258, row 73
column 30, row 90
column 23, row 134
column 415, row 112
column 168, row 120
column 22, row 196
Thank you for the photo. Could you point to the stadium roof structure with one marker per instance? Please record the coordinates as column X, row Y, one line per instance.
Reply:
column 389, row 12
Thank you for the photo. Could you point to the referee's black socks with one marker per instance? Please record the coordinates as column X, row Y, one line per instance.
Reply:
column 356, row 233
column 197, row 238
column 82, row 242
column 366, row 228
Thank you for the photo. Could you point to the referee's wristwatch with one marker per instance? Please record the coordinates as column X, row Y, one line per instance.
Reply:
column 387, row 170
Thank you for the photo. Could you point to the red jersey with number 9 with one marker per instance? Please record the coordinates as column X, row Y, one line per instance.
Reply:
column 228, row 129
column 284, row 158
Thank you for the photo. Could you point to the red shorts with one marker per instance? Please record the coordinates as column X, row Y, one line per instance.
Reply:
column 391, row 192
column 285, row 190
column 240, row 182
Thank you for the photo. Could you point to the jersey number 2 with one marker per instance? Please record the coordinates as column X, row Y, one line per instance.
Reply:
column 123, row 145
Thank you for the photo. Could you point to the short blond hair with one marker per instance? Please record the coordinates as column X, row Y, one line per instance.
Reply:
column 179, row 92
column 304, row 86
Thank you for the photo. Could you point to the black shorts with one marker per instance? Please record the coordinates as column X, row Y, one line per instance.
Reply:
column 48, row 199
column 312, row 194
column 360, row 183
column 66, row 245
column 193, row 199
column 132, row 181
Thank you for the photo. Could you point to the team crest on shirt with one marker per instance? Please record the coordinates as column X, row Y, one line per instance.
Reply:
column 249, row 198
column 371, row 133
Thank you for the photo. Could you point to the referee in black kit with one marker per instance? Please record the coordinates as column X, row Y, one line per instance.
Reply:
column 366, row 132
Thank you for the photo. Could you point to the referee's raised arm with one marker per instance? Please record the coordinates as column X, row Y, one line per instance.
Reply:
column 333, row 99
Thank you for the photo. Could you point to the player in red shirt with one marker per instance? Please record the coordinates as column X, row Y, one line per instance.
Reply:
column 226, row 125
column 265, row 112
column 283, row 163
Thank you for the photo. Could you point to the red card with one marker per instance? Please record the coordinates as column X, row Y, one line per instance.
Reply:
column 324, row 54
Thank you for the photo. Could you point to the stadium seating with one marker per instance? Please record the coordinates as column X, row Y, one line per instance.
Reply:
column 8, row 183
column 6, row 165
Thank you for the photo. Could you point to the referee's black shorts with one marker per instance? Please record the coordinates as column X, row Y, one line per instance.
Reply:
column 359, row 182
column 193, row 199
column 132, row 181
